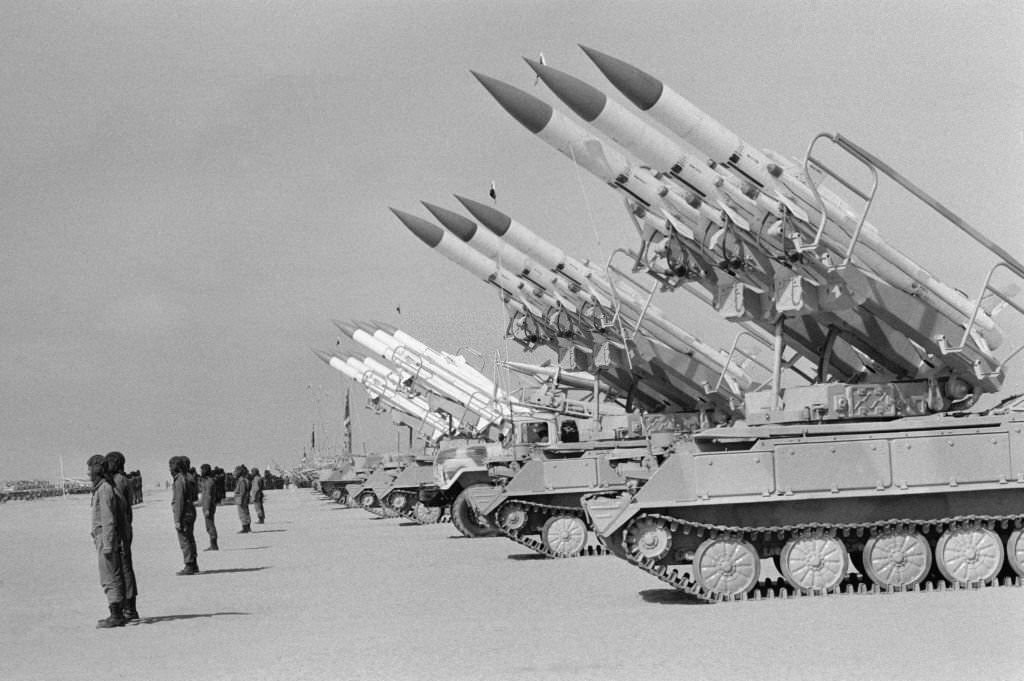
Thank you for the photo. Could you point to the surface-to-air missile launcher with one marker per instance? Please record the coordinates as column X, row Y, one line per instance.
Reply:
column 891, row 462
column 885, row 471
column 540, row 507
column 367, row 495
column 339, row 483
column 402, row 495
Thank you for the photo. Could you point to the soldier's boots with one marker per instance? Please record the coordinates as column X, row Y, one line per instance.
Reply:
column 128, row 610
column 213, row 546
column 189, row 569
column 245, row 529
column 116, row 618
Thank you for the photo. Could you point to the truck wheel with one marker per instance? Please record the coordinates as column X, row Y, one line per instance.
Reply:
column 465, row 518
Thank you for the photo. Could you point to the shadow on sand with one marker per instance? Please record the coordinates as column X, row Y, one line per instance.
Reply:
column 265, row 531
column 670, row 597
column 171, row 618
column 247, row 548
column 227, row 570
column 527, row 556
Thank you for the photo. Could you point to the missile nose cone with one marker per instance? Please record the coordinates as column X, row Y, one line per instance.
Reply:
column 428, row 233
column 462, row 227
column 491, row 218
column 533, row 113
column 585, row 99
column 385, row 327
column 324, row 357
column 346, row 328
column 640, row 88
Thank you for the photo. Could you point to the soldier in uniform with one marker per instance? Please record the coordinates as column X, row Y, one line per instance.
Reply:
column 210, row 499
column 107, row 540
column 123, row 489
column 257, row 495
column 242, row 497
column 184, row 512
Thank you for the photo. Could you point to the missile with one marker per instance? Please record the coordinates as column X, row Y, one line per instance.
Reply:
column 526, row 241
column 414, row 406
column 648, row 144
column 702, row 365
column 454, row 363
column 654, row 321
column 476, row 263
column 476, row 397
column 428, row 373
column 516, row 262
column 485, row 242
column 726, row 148
column 572, row 140
column 382, row 393
column 639, row 185
column 581, row 380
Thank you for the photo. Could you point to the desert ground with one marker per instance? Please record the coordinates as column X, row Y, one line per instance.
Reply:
column 324, row 592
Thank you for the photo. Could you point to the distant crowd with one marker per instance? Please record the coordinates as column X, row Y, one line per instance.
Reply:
column 114, row 492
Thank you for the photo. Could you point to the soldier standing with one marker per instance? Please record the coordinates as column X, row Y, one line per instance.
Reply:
column 242, row 497
column 210, row 499
column 107, row 540
column 257, row 495
column 125, row 493
column 184, row 512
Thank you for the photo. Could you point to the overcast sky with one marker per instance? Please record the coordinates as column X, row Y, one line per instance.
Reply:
column 190, row 192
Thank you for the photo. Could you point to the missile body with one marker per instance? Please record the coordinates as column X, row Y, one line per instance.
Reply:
column 437, row 427
column 638, row 185
column 580, row 380
column 648, row 144
column 655, row 323
column 476, row 263
column 526, row 241
column 726, row 148
column 429, row 375
column 454, row 364
column 515, row 261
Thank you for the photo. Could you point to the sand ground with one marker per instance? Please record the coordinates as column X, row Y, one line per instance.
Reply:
column 322, row 592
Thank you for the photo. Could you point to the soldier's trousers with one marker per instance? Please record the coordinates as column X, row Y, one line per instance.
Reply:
column 111, row 575
column 131, row 589
column 187, row 540
column 258, row 505
column 243, row 515
column 211, row 527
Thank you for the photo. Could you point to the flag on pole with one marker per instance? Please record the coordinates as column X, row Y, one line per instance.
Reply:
column 347, row 423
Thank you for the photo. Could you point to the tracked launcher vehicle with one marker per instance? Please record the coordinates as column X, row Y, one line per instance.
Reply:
column 540, row 506
column 367, row 495
column 340, row 482
column 896, row 465
column 402, row 495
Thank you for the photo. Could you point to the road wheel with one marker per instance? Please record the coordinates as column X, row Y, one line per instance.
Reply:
column 814, row 563
column 336, row 495
column 565, row 535
column 969, row 555
column 1015, row 551
column 898, row 558
column 726, row 566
